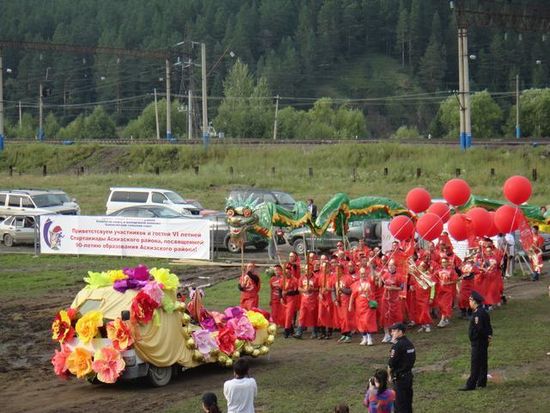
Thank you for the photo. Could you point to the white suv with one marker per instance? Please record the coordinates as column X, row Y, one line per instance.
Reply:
column 36, row 202
column 125, row 197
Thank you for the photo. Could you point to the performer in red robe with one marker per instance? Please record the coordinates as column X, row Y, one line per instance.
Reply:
column 391, row 302
column 249, row 285
column 290, row 297
column 277, row 308
column 423, row 285
column 493, row 277
column 325, row 314
column 469, row 270
column 308, row 288
column 535, row 254
column 363, row 301
column 342, row 294
column 447, row 278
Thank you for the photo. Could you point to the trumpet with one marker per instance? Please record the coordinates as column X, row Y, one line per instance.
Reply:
column 422, row 278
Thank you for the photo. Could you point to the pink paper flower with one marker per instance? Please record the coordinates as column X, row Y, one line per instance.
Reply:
column 243, row 328
column 204, row 341
column 226, row 340
column 59, row 361
column 153, row 290
column 233, row 312
column 108, row 364
column 120, row 334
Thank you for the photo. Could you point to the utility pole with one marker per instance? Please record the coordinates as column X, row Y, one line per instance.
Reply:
column 40, row 135
column 157, row 114
column 462, row 136
column 20, row 116
column 169, row 136
column 467, row 104
column 518, row 130
column 276, row 115
column 205, row 130
column 1, row 103
column 189, row 112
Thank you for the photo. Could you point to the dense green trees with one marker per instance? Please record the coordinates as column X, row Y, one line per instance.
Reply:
column 356, row 49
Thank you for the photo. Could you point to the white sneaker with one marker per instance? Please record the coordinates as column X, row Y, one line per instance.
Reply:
column 441, row 323
column 363, row 341
column 427, row 329
column 447, row 322
column 369, row 341
column 386, row 339
column 421, row 329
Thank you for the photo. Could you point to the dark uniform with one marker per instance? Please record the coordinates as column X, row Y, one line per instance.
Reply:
column 479, row 332
column 401, row 362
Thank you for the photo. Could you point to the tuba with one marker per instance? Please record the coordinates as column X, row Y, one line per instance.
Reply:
column 422, row 278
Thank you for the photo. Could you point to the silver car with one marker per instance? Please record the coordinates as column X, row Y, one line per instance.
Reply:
column 18, row 229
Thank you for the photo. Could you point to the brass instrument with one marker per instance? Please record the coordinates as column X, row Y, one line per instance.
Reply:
column 422, row 278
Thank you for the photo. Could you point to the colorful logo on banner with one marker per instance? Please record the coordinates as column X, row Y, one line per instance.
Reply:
column 52, row 235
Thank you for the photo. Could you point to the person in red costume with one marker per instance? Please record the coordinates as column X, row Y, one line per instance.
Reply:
column 447, row 279
column 391, row 301
column 325, row 312
column 469, row 270
column 290, row 298
column 536, row 254
column 308, row 288
column 493, row 276
column 294, row 263
column 249, row 285
column 421, row 282
column 363, row 301
column 342, row 294
column 277, row 308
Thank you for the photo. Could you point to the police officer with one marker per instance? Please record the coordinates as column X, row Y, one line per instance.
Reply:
column 480, row 333
column 400, row 364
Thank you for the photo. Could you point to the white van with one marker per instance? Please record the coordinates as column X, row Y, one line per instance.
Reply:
column 122, row 197
column 36, row 202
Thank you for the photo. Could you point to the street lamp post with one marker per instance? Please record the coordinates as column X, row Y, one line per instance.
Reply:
column 1, row 103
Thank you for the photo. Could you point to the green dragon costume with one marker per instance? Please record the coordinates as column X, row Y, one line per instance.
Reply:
column 250, row 215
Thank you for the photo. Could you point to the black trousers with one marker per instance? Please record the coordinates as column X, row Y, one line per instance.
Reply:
column 404, row 393
column 478, row 365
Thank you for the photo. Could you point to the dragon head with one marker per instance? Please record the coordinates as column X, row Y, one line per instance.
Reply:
column 241, row 216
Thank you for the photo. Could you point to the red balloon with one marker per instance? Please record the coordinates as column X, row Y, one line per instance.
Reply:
column 418, row 200
column 493, row 230
column 429, row 226
column 401, row 227
column 440, row 209
column 507, row 218
column 458, row 227
column 456, row 192
column 481, row 220
column 517, row 189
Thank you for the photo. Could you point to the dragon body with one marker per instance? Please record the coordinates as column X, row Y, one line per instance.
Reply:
column 263, row 218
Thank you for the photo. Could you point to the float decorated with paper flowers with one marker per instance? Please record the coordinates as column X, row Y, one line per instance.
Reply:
column 132, row 323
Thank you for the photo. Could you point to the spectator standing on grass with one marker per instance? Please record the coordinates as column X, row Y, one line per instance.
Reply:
column 378, row 398
column 210, row 403
column 312, row 208
column 241, row 390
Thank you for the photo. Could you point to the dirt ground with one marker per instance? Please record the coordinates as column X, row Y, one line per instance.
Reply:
column 28, row 384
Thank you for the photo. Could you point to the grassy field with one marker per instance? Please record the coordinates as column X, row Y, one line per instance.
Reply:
column 332, row 167
column 306, row 376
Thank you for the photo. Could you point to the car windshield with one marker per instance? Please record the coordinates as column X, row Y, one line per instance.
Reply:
column 174, row 198
column 284, row 198
column 166, row 213
column 46, row 200
column 62, row 197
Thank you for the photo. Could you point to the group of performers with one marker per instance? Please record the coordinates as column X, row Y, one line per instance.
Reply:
column 364, row 290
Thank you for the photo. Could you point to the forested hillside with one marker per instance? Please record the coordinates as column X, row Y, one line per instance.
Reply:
column 395, row 61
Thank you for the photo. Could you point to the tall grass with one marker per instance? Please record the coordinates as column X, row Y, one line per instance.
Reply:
column 332, row 167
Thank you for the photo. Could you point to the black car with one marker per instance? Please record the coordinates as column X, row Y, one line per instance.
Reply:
column 218, row 225
column 369, row 230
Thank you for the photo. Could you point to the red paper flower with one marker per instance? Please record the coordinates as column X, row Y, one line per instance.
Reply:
column 143, row 307
column 62, row 329
column 119, row 333
column 226, row 340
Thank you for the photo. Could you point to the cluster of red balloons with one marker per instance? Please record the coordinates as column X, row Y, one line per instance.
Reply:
column 476, row 222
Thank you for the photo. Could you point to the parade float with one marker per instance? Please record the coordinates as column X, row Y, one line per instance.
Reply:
column 131, row 323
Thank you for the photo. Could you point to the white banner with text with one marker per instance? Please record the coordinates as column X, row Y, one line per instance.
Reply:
column 124, row 236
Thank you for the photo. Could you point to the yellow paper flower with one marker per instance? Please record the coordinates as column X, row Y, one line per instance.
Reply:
column 86, row 327
column 163, row 276
column 257, row 320
column 115, row 275
column 97, row 280
column 79, row 362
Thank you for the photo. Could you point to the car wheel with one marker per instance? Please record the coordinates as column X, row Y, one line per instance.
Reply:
column 159, row 376
column 93, row 380
column 8, row 240
column 260, row 246
column 299, row 247
column 232, row 245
